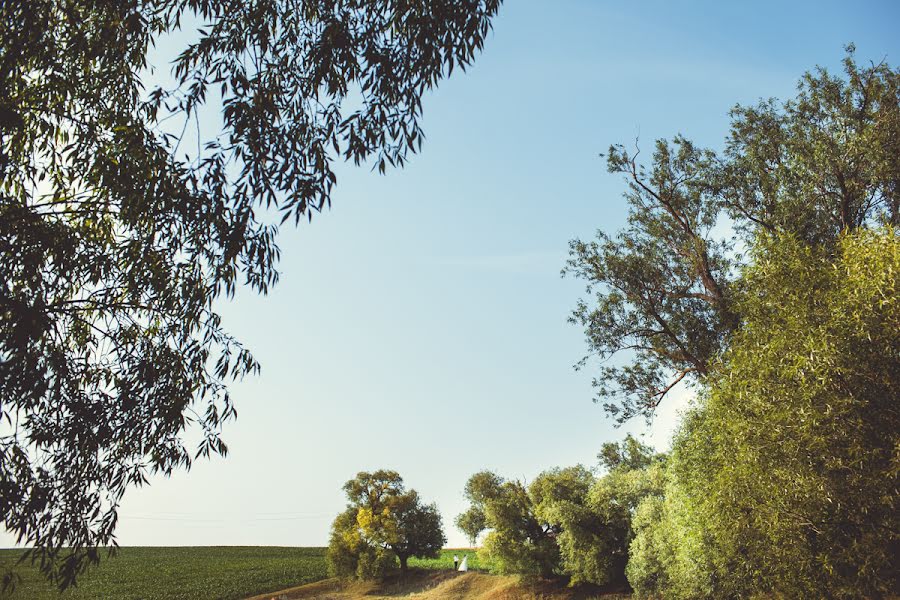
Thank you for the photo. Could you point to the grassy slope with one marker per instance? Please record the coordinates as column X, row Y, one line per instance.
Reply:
column 226, row 573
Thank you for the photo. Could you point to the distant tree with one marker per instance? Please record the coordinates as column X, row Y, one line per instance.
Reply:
column 663, row 288
column 591, row 517
column 672, row 553
column 628, row 454
column 479, row 488
column 560, row 499
column 471, row 523
column 516, row 540
column 614, row 499
column 383, row 524
column 567, row 521
column 122, row 224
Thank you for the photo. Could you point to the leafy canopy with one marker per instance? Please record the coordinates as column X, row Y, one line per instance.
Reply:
column 383, row 523
column 116, row 239
column 517, row 540
column 784, row 477
column 663, row 288
column 567, row 521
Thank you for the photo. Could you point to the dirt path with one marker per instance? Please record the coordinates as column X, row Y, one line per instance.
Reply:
column 439, row 585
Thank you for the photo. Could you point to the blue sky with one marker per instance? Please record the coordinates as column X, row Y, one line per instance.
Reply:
column 420, row 324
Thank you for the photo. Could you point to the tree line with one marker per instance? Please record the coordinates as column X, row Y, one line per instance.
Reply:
column 783, row 474
column 782, row 477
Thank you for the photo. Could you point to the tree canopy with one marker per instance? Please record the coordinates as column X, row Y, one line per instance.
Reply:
column 663, row 288
column 382, row 524
column 782, row 480
column 517, row 540
column 568, row 521
column 784, row 476
column 116, row 239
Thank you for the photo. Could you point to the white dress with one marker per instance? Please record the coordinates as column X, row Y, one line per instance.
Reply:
column 464, row 565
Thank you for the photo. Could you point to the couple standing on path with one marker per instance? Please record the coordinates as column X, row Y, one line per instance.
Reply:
column 461, row 567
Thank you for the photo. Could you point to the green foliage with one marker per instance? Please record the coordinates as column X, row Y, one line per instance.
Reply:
column 419, row 529
column 224, row 573
column 561, row 499
column 785, row 477
column 648, row 559
column 568, row 521
column 516, row 541
column 479, row 489
column 821, row 163
column 614, row 499
column 663, row 288
column 672, row 554
column 809, row 405
column 627, row 454
column 344, row 546
column 472, row 523
column 117, row 240
column 383, row 523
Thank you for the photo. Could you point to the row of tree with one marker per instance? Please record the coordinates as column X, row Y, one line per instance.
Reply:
column 783, row 475
column 567, row 521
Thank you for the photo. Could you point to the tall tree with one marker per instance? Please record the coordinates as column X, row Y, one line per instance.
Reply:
column 560, row 498
column 663, row 288
column 116, row 239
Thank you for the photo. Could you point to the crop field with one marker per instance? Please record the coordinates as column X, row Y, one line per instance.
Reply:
column 225, row 573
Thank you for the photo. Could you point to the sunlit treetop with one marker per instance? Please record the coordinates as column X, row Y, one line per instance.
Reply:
column 662, row 289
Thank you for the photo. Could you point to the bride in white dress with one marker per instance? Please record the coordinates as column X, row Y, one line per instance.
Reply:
column 464, row 565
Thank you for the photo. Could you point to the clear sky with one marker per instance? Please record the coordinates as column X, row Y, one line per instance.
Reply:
column 420, row 325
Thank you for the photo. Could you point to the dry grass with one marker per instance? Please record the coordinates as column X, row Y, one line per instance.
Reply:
column 447, row 585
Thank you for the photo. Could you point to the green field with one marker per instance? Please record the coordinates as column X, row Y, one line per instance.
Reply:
column 180, row 573
column 194, row 573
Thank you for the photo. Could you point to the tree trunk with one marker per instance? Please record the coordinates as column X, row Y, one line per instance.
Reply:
column 403, row 560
